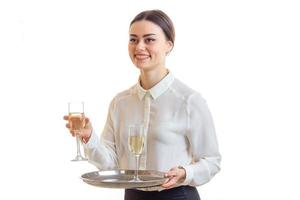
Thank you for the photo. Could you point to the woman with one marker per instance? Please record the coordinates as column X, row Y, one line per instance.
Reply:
column 181, row 139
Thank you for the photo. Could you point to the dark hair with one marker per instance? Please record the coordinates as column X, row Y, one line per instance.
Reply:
column 159, row 18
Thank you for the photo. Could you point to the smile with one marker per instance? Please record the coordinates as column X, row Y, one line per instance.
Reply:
column 141, row 56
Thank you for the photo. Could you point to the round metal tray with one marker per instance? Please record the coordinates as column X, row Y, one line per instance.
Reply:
column 124, row 178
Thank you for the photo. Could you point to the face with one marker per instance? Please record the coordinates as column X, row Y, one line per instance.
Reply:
column 148, row 45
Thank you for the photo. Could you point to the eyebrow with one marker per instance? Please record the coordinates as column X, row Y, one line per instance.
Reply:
column 146, row 35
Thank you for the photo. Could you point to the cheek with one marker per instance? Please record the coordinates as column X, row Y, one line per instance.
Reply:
column 159, row 54
column 129, row 48
column 130, row 51
column 158, row 51
column 153, row 51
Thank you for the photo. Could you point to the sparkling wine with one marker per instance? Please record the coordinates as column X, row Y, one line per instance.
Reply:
column 136, row 144
column 76, row 121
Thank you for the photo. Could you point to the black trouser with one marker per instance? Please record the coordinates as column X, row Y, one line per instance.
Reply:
column 178, row 193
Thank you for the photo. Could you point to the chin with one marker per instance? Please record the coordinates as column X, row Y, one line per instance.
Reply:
column 142, row 65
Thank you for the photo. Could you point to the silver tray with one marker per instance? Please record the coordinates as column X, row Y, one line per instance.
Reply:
column 123, row 178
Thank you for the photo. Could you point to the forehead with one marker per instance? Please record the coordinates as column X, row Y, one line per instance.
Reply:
column 143, row 27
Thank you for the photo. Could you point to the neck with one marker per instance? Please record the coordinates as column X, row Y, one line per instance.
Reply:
column 152, row 77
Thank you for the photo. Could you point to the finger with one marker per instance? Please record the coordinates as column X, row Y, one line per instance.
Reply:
column 167, row 180
column 172, row 171
column 170, row 174
column 171, row 183
column 68, row 126
column 88, row 124
column 66, row 117
column 73, row 133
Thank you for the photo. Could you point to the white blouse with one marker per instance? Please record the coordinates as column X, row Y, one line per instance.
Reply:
column 180, row 132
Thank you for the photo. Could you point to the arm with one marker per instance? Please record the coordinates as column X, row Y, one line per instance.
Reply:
column 101, row 152
column 203, row 143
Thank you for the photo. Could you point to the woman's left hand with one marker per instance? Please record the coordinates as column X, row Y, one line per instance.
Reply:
column 174, row 177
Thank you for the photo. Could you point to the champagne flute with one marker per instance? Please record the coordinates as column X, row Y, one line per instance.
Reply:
column 77, row 123
column 136, row 138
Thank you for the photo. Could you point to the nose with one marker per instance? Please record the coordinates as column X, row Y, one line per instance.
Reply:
column 140, row 45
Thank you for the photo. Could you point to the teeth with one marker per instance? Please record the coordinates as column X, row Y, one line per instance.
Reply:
column 141, row 56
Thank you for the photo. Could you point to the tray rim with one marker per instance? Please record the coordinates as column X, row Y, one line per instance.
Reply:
column 145, row 184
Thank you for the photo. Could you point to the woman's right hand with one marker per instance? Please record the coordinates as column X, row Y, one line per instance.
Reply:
column 85, row 133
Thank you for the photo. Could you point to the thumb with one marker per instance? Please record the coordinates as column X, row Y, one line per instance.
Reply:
column 88, row 124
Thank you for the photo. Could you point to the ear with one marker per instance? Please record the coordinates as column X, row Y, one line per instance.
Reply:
column 169, row 46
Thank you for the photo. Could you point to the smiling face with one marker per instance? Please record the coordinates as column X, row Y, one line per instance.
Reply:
column 148, row 45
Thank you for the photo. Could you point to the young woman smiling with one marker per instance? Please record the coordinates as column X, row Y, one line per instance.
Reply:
column 180, row 136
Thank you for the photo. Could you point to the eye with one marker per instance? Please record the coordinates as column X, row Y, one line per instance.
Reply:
column 149, row 40
column 132, row 40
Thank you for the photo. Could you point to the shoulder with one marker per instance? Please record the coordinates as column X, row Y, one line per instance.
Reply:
column 125, row 94
column 185, row 92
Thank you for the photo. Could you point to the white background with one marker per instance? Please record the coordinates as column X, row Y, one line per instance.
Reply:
column 242, row 56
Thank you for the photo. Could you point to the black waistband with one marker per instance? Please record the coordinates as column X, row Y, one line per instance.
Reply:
column 179, row 193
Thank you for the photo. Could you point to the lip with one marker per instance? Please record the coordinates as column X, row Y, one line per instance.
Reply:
column 141, row 56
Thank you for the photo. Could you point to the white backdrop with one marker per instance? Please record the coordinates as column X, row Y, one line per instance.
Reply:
column 242, row 56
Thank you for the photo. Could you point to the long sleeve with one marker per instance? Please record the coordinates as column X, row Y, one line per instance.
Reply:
column 101, row 152
column 203, row 143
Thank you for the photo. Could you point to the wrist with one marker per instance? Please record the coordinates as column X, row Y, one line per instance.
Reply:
column 183, row 173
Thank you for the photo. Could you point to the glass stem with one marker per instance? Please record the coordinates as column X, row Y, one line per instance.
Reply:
column 137, row 159
column 78, row 144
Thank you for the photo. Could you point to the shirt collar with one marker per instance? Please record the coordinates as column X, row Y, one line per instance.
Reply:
column 157, row 89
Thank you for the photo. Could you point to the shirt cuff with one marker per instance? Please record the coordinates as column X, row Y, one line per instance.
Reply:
column 189, row 174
